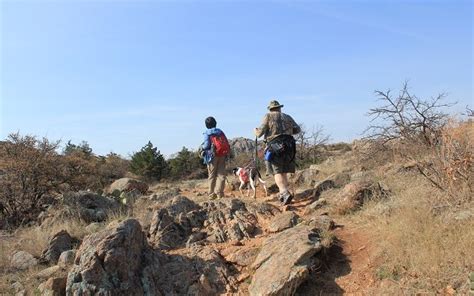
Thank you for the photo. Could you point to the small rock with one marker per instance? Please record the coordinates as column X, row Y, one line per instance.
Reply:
column 195, row 237
column 322, row 222
column 283, row 221
column 54, row 286
column 23, row 260
column 17, row 286
column 318, row 204
column 464, row 215
column 93, row 227
column 48, row 272
column 67, row 258
column 244, row 256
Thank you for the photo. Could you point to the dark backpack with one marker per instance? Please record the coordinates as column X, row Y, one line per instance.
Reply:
column 282, row 149
column 220, row 144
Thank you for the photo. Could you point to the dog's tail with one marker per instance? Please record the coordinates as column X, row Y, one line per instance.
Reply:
column 260, row 177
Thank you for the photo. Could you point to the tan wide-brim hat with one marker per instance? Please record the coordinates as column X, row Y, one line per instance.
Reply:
column 274, row 104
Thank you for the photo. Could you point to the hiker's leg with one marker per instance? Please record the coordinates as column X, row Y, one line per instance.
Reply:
column 282, row 182
column 268, row 168
column 212, row 170
column 220, row 176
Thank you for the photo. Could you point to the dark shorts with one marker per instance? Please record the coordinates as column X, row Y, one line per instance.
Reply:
column 282, row 168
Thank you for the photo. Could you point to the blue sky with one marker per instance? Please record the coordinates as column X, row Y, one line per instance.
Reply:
column 119, row 73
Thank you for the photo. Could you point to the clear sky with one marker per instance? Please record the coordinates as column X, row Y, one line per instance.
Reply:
column 119, row 73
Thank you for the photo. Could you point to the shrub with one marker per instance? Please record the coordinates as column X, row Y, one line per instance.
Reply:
column 421, row 132
column 149, row 163
column 112, row 167
column 186, row 164
column 31, row 172
column 310, row 147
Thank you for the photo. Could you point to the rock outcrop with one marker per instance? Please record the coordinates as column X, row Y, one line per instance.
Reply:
column 89, row 206
column 216, row 221
column 242, row 145
column 110, row 262
column 60, row 242
column 284, row 261
column 119, row 261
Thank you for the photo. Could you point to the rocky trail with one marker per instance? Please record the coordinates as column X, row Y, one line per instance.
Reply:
column 174, row 241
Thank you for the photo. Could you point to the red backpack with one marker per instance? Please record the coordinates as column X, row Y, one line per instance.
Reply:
column 221, row 145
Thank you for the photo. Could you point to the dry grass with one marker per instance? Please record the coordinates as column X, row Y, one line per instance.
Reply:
column 424, row 250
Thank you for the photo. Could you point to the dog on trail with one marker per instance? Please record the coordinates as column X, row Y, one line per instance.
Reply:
column 249, row 176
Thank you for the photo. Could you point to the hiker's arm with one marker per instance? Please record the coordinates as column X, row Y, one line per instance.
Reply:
column 262, row 130
column 206, row 145
column 296, row 127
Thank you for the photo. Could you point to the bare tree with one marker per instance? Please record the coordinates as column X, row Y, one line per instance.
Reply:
column 309, row 143
column 407, row 117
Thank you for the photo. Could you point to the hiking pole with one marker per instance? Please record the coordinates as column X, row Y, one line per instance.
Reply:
column 256, row 152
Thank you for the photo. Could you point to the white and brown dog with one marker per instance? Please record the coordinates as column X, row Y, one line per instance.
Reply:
column 249, row 176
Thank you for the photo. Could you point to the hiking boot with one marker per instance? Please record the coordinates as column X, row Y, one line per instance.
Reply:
column 287, row 198
column 281, row 197
column 212, row 196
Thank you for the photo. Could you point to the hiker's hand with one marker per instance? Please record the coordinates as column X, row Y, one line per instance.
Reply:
column 256, row 131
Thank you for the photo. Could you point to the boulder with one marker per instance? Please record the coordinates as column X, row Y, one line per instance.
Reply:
column 354, row 194
column 284, row 261
column 128, row 185
column 66, row 258
column 89, row 206
column 243, row 256
column 54, row 286
column 172, row 225
column 47, row 272
column 110, row 262
column 283, row 221
column 22, row 260
column 60, row 242
column 306, row 177
column 322, row 186
column 315, row 205
column 322, row 222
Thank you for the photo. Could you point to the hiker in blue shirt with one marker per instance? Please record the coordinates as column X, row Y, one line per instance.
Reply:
column 215, row 148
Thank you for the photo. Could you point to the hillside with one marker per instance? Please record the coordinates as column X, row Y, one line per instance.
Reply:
column 354, row 228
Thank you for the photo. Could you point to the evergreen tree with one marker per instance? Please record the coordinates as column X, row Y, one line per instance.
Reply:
column 148, row 162
column 185, row 163
column 82, row 148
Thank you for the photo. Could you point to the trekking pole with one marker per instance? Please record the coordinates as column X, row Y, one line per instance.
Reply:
column 256, row 152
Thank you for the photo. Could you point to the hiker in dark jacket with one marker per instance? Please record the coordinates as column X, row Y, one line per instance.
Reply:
column 278, row 128
column 214, row 159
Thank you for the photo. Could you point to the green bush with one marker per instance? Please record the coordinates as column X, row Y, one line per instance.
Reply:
column 149, row 163
column 186, row 165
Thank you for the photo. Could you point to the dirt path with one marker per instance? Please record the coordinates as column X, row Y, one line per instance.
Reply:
column 348, row 267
